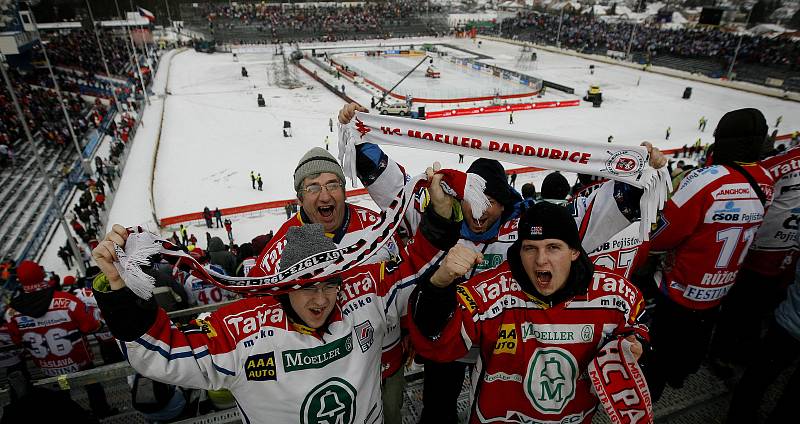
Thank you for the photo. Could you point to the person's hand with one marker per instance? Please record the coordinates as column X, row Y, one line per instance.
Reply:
column 349, row 111
column 456, row 264
column 441, row 202
column 657, row 159
column 636, row 348
column 104, row 255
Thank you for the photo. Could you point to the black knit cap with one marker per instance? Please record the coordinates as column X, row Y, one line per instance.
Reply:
column 555, row 186
column 496, row 184
column 739, row 136
column 546, row 220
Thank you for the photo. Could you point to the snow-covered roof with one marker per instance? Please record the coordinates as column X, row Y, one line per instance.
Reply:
column 562, row 4
column 597, row 9
column 763, row 29
column 677, row 18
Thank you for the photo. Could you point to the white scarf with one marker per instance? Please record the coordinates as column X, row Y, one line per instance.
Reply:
column 628, row 164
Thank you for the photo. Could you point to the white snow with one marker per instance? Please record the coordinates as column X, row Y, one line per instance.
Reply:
column 214, row 134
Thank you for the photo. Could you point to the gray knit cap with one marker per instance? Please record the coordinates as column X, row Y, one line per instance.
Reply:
column 302, row 242
column 316, row 161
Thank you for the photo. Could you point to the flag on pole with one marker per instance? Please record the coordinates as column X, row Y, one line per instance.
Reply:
column 147, row 14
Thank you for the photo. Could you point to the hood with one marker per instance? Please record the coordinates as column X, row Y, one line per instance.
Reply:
column 580, row 274
column 216, row 245
column 33, row 304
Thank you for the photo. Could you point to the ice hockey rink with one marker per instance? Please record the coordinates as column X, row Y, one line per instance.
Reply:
column 455, row 81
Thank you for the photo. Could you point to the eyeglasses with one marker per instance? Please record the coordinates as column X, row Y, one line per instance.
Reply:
column 317, row 189
column 326, row 288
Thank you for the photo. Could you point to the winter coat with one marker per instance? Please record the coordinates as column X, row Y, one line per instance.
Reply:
column 219, row 255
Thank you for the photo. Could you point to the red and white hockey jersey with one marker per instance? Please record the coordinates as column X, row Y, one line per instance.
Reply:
column 706, row 229
column 283, row 372
column 533, row 357
column 775, row 251
column 56, row 339
column 356, row 219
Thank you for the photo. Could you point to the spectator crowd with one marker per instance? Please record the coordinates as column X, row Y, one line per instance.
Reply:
column 591, row 34
column 333, row 21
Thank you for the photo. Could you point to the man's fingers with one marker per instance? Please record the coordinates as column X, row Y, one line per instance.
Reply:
column 429, row 173
column 437, row 166
column 436, row 179
column 349, row 111
column 105, row 251
column 657, row 159
column 121, row 231
column 116, row 238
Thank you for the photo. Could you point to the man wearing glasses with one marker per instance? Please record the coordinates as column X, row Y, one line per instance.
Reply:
column 320, row 186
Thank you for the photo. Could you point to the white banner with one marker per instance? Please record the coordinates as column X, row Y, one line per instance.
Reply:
column 628, row 164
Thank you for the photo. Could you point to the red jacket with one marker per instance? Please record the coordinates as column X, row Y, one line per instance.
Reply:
column 56, row 339
column 705, row 230
column 775, row 250
column 533, row 356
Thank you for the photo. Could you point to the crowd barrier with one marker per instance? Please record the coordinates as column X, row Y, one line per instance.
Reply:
column 500, row 108
column 341, row 95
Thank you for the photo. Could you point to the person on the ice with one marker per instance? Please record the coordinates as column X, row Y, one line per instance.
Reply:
column 207, row 217
column 298, row 357
column 218, row 217
column 538, row 319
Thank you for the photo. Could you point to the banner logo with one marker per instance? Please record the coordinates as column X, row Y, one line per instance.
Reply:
column 625, row 163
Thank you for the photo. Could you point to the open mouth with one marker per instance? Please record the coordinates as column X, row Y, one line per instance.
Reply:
column 544, row 276
column 479, row 222
column 316, row 312
column 325, row 211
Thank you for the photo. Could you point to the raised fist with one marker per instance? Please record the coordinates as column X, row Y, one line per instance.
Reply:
column 456, row 264
column 105, row 255
column 349, row 111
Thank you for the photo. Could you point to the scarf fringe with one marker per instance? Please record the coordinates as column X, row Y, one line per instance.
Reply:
column 139, row 248
column 475, row 196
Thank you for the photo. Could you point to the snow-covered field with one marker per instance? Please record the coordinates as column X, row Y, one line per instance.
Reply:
column 212, row 133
